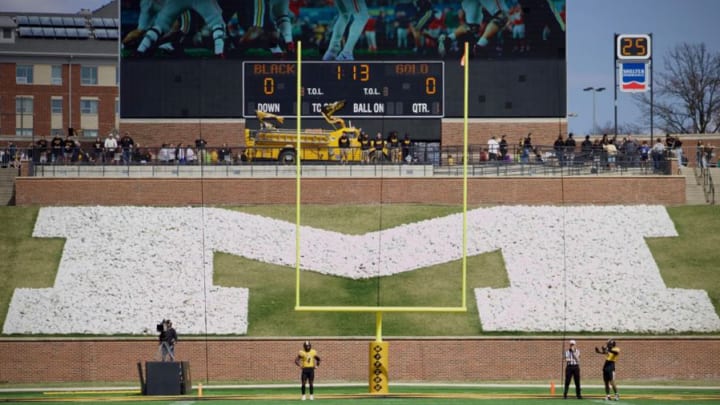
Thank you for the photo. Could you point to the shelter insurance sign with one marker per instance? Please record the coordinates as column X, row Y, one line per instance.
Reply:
column 634, row 77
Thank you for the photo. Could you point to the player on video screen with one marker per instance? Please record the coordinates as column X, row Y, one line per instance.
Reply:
column 424, row 16
column 348, row 10
column 279, row 14
column 171, row 11
column 496, row 9
column 517, row 23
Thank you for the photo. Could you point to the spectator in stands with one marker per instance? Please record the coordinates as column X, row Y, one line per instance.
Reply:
column 378, row 146
column 538, row 155
column 344, row 145
column 611, row 151
column 393, row 144
column 180, row 154
column 570, row 149
column 503, row 147
column 126, row 144
column 365, row 146
column 527, row 148
column 41, row 149
column 406, row 144
column 98, row 146
column 164, row 155
column 56, row 145
column 225, row 154
column 559, row 147
column 110, row 148
column 709, row 153
column 644, row 154
column 700, row 154
column 630, row 150
column 190, row 157
column 4, row 158
column 493, row 148
column 200, row 145
column 12, row 154
column 484, row 155
column 586, row 149
column 658, row 155
column 676, row 147
column 68, row 147
column 136, row 153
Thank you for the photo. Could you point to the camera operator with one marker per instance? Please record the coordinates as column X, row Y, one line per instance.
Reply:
column 167, row 338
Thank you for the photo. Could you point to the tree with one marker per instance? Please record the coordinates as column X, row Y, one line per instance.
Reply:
column 628, row 128
column 687, row 91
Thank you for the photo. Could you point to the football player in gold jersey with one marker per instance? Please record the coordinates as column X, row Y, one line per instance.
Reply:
column 308, row 360
column 611, row 352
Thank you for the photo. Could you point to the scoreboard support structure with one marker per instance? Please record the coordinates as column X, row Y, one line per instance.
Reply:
column 633, row 51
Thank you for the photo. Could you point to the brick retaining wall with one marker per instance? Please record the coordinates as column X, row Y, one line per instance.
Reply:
column 664, row 190
column 442, row 360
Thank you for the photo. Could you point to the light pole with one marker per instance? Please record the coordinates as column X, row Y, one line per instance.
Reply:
column 594, row 90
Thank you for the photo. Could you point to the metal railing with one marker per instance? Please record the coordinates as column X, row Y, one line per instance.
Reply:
column 541, row 160
column 708, row 185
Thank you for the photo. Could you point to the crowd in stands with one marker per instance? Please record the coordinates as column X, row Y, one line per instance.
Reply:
column 601, row 153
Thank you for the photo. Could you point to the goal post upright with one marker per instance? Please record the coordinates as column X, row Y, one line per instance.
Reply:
column 379, row 350
column 298, row 115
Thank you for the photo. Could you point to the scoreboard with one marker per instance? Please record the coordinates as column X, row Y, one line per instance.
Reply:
column 370, row 89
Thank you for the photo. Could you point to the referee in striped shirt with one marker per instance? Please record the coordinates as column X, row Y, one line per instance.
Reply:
column 572, row 369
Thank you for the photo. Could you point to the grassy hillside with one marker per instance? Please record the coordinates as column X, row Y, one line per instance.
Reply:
column 24, row 261
column 689, row 261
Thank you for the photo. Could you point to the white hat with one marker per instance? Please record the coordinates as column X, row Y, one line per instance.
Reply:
column 572, row 342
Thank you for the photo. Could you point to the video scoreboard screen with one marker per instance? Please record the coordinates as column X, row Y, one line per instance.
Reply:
column 396, row 59
column 370, row 89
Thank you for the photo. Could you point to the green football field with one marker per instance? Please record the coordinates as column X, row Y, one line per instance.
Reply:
column 411, row 395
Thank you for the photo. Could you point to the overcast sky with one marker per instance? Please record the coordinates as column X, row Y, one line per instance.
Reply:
column 591, row 27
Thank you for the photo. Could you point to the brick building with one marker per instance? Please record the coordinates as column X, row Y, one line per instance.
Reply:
column 58, row 71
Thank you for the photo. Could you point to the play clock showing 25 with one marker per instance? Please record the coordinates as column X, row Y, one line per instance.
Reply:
column 370, row 89
column 633, row 46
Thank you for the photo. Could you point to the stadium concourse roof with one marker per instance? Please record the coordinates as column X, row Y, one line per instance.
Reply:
column 86, row 33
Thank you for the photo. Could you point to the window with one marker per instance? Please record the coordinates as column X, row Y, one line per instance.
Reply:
column 24, row 74
column 117, row 106
column 56, row 77
column 56, row 105
column 89, row 75
column 7, row 34
column 24, row 106
column 89, row 133
column 88, row 106
column 24, row 115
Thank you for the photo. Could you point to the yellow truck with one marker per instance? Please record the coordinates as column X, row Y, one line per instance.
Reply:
column 269, row 143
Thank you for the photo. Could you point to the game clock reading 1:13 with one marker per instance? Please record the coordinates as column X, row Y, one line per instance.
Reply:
column 632, row 46
column 370, row 89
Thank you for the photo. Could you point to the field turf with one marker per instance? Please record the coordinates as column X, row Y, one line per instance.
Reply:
column 410, row 395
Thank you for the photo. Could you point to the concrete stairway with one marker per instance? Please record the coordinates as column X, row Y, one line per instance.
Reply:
column 694, row 194
column 7, row 185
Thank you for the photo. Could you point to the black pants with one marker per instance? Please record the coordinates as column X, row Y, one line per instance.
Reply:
column 307, row 375
column 574, row 373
